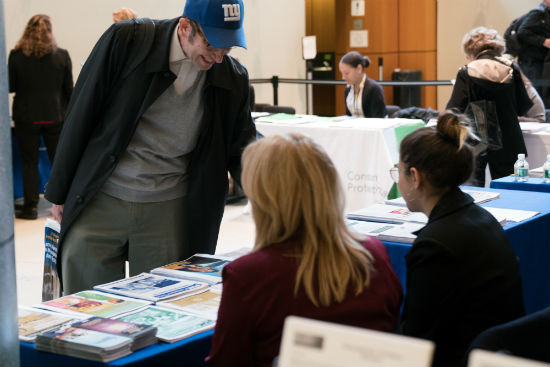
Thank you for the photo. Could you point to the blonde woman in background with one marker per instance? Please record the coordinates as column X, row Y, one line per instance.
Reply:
column 123, row 14
column 305, row 260
column 40, row 75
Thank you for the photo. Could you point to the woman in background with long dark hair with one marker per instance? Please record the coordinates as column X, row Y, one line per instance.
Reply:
column 40, row 75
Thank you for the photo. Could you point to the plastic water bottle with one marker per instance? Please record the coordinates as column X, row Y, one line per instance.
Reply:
column 546, row 169
column 521, row 168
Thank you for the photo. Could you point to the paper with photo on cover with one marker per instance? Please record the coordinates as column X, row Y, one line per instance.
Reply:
column 141, row 335
column 200, row 267
column 307, row 342
column 93, row 303
column 205, row 304
column 51, row 286
column 152, row 287
column 395, row 232
column 33, row 321
column 172, row 325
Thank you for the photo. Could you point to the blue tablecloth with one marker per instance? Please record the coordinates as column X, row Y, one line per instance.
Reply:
column 187, row 352
column 44, row 167
column 530, row 239
column 532, row 184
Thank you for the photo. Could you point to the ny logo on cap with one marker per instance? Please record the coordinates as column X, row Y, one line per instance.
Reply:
column 231, row 12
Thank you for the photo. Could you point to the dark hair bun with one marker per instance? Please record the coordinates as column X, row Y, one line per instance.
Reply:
column 366, row 62
column 449, row 127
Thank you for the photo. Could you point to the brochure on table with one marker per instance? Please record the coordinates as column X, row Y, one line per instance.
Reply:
column 152, row 287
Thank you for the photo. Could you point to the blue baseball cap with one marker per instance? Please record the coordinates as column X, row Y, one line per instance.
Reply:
column 220, row 20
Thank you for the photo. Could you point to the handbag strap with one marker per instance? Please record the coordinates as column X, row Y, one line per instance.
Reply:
column 468, row 83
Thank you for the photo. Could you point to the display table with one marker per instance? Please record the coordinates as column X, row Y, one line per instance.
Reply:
column 363, row 151
column 510, row 183
column 187, row 352
column 530, row 239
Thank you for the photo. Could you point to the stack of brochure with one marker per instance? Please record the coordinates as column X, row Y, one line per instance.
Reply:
column 199, row 267
column 171, row 325
column 84, row 343
column 141, row 335
column 33, row 322
column 152, row 287
column 92, row 303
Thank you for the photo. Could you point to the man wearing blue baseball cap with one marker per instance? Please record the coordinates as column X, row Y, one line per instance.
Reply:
column 158, row 117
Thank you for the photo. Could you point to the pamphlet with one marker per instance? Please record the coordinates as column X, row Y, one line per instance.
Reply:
column 171, row 325
column 199, row 267
column 152, row 287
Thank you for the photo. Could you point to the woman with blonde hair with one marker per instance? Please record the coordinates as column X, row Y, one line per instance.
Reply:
column 462, row 274
column 40, row 75
column 305, row 261
column 489, row 76
column 123, row 14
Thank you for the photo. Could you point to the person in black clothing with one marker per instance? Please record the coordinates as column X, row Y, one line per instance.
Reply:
column 489, row 76
column 158, row 117
column 40, row 75
column 364, row 97
column 462, row 273
column 534, row 34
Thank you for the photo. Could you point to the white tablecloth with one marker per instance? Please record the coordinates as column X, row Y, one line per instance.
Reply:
column 363, row 151
column 538, row 146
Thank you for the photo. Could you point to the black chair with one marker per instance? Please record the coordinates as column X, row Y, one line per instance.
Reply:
column 392, row 109
column 264, row 107
column 526, row 337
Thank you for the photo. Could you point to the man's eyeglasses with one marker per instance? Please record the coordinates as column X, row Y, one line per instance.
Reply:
column 394, row 173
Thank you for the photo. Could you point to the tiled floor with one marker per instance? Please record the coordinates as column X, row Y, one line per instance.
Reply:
column 236, row 232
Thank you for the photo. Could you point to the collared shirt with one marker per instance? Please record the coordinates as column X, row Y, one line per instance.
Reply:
column 354, row 101
column 181, row 65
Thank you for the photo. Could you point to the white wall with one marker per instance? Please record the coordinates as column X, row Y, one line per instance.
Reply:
column 273, row 34
column 273, row 28
column 455, row 18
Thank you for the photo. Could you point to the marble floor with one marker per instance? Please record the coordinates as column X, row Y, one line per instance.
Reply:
column 236, row 232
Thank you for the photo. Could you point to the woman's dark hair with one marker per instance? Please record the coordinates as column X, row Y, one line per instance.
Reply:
column 440, row 153
column 354, row 58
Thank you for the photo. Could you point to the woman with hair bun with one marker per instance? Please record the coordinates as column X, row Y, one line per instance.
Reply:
column 364, row 97
column 305, row 260
column 462, row 274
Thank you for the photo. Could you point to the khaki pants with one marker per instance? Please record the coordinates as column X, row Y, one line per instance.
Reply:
column 111, row 231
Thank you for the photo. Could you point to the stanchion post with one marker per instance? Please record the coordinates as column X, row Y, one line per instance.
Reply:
column 9, row 342
column 275, row 83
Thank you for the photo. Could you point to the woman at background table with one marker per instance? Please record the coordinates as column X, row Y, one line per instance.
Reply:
column 40, row 75
column 462, row 274
column 305, row 261
column 489, row 76
column 364, row 97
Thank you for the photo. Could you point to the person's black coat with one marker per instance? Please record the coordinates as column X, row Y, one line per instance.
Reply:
column 462, row 278
column 532, row 32
column 103, row 115
column 42, row 86
column 511, row 101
